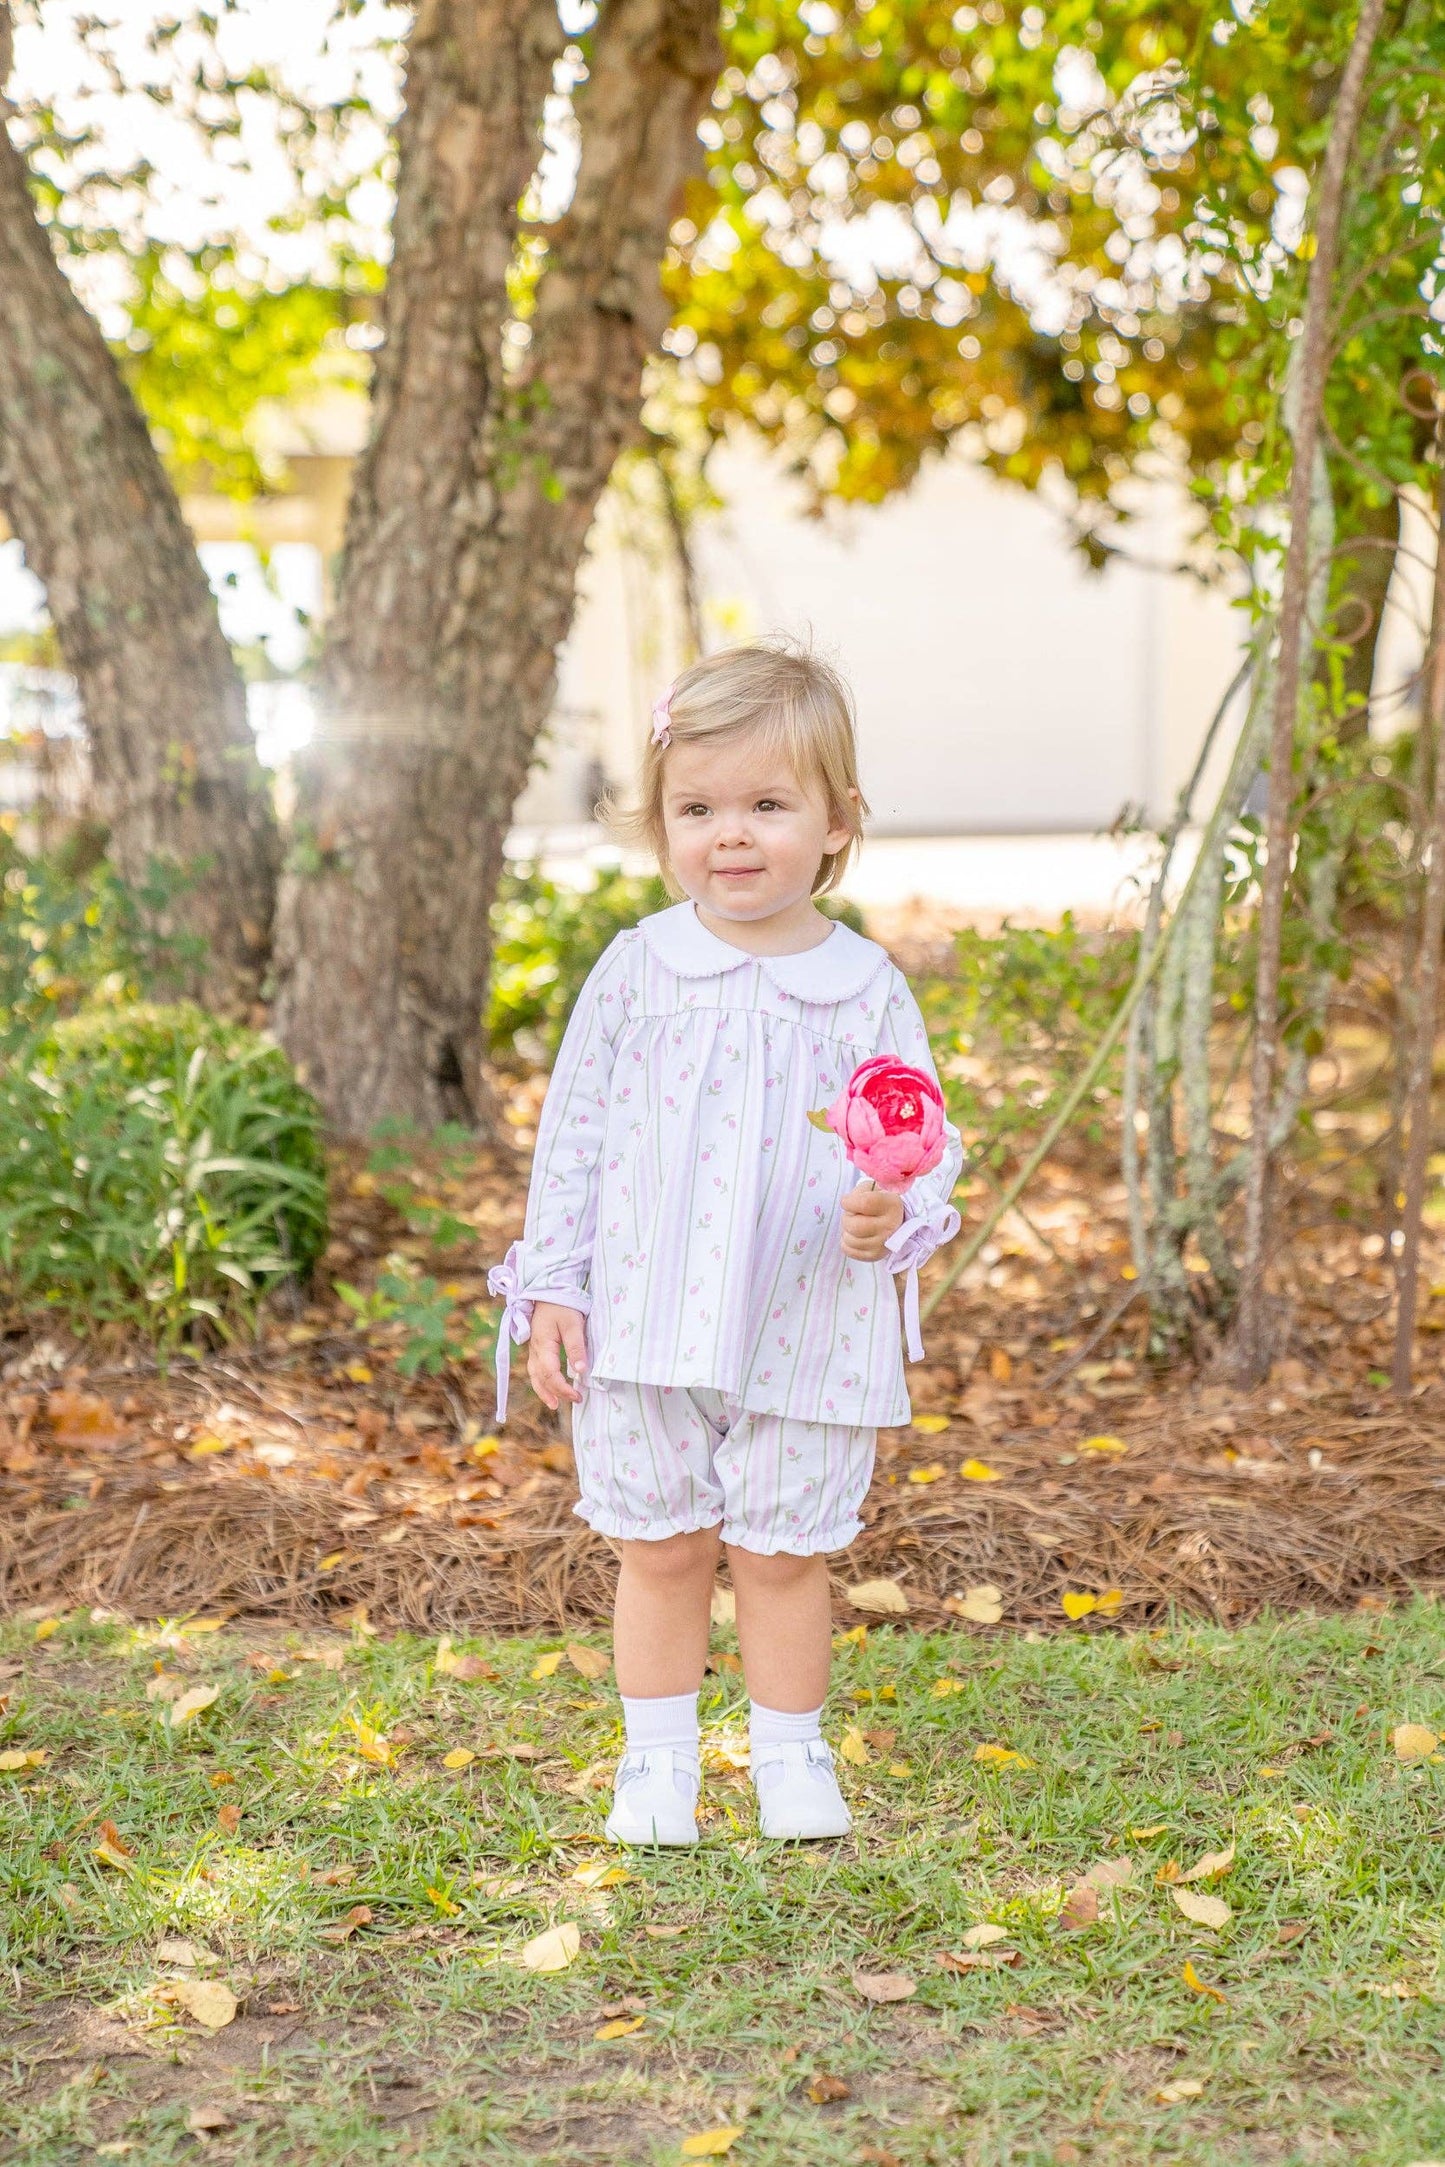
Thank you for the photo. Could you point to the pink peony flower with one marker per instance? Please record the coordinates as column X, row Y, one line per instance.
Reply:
column 890, row 1119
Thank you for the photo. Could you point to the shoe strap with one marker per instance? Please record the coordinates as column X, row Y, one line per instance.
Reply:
column 648, row 1761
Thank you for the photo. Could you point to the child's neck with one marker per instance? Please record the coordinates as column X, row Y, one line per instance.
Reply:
column 787, row 932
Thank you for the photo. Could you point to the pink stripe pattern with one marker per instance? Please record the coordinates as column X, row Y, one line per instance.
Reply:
column 682, row 1200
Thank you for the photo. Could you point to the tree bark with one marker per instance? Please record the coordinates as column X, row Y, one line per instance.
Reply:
column 1252, row 1338
column 470, row 513
column 1365, row 566
column 1426, row 1018
column 176, row 777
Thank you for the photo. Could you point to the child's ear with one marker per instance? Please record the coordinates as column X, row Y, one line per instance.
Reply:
column 840, row 832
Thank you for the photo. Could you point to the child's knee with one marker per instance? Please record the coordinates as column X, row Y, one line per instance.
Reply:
column 775, row 1570
column 673, row 1558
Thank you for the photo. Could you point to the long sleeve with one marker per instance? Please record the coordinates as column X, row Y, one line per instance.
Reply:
column 929, row 1217
column 553, row 1260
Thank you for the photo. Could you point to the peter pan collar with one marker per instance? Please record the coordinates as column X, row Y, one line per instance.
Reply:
column 837, row 969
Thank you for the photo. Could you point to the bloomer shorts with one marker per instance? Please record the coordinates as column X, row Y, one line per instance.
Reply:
column 655, row 1460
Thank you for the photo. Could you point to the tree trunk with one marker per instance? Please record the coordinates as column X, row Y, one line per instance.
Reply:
column 1252, row 1339
column 470, row 513
column 177, row 781
column 1426, row 1017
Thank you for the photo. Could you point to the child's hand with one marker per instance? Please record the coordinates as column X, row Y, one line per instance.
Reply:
column 556, row 1330
column 869, row 1216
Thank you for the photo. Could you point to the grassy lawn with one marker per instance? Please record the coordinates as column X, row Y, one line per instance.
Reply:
column 305, row 1842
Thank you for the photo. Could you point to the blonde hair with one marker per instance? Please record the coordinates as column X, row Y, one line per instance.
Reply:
column 798, row 706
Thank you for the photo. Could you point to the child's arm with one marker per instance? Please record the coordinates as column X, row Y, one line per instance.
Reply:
column 550, row 1268
column 929, row 1216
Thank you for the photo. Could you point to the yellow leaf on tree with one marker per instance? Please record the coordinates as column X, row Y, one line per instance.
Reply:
column 1106, row 1447
column 189, row 1705
column 1196, row 1985
column 853, row 1748
column 1001, row 1757
column 459, row 1757
column 979, row 1471
column 1413, row 1742
column 883, row 1598
column 1211, row 1911
column 554, row 1950
column 546, row 1665
column 1077, row 1604
column 210, row 2003
column 619, row 2027
column 930, row 1425
column 710, row 2143
column 927, row 1474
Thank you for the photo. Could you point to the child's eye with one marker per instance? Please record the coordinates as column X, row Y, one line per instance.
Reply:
column 689, row 809
column 769, row 805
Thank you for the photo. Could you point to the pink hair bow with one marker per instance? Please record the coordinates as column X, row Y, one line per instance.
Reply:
column 662, row 720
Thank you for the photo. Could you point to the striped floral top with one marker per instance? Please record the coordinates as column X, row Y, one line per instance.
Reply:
column 682, row 1200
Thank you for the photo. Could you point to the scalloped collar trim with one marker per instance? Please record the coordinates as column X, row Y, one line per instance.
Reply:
column 837, row 969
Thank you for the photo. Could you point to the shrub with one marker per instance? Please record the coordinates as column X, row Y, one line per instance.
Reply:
column 547, row 938
column 157, row 1166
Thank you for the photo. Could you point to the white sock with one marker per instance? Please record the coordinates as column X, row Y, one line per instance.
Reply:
column 776, row 1726
column 670, row 1719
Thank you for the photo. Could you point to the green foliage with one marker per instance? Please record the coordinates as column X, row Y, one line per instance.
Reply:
column 1016, row 1021
column 158, row 1167
column 548, row 936
column 71, row 932
column 430, row 1323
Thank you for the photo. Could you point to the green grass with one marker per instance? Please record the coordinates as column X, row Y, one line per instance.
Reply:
column 422, row 2037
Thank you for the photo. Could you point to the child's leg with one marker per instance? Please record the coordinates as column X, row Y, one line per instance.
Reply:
column 785, row 1626
column 661, row 1616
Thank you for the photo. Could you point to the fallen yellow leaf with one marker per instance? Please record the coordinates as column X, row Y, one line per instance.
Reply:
column 1212, row 1867
column 443, row 1902
column 482, row 1448
column 17, row 1757
column 589, row 1662
column 900, row 1768
column 942, row 1687
column 884, row 1986
column 205, row 1446
column 930, row 1425
column 856, row 1635
column 1143, row 1835
column 370, row 1744
column 1211, row 1911
column 883, row 1598
column 448, row 1664
column 188, row 1706
column 852, row 1747
column 210, row 2003
column 982, row 1605
column 600, row 1874
column 46, row 1627
column 979, row 1471
column 111, row 1855
column 459, row 1757
column 1078, row 1605
column 1413, row 1742
column 1110, row 1603
column 984, row 1937
column 1001, row 1757
column 1179, row 2089
column 1000, row 1365
column 619, row 2027
column 927, row 1474
column 358, row 1372
column 554, row 1950
column 1196, row 1985
column 1109, row 1447
column 710, row 2143
column 546, row 1666
column 329, row 1563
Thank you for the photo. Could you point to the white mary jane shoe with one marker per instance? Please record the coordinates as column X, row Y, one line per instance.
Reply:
column 655, row 1797
column 798, row 1794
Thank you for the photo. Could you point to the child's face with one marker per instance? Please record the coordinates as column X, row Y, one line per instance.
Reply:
column 744, row 835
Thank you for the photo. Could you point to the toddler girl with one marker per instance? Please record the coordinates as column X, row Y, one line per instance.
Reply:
column 705, row 1261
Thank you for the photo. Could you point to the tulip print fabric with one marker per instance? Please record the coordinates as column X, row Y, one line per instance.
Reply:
column 682, row 1200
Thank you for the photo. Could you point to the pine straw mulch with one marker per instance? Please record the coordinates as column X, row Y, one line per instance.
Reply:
column 305, row 1479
